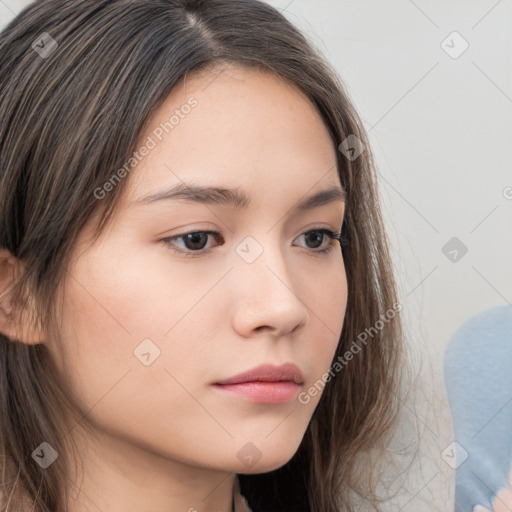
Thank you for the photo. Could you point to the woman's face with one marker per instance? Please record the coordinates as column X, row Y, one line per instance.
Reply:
column 149, row 326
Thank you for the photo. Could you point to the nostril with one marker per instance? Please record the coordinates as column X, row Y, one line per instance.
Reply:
column 262, row 327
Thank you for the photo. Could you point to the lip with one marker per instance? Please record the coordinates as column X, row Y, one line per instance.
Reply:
column 265, row 383
column 267, row 373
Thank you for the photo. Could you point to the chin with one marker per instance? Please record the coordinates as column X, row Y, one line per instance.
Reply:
column 275, row 459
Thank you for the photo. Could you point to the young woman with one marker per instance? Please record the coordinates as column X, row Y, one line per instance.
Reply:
column 197, row 307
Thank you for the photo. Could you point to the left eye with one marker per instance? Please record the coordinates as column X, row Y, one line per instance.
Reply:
column 195, row 242
column 318, row 237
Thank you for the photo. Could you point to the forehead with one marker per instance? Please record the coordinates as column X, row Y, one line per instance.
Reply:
column 235, row 126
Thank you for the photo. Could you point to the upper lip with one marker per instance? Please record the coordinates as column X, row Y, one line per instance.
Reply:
column 267, row 373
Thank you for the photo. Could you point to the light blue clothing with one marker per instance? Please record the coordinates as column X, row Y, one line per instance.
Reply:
column 478, row 379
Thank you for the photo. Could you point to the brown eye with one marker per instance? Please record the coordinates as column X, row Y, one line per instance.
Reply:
column 317, row 237
column 193, row 242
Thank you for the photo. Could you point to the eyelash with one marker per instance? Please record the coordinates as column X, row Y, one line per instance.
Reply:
column 335, row 236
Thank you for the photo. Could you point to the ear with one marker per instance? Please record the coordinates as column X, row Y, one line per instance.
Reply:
column 13, row 323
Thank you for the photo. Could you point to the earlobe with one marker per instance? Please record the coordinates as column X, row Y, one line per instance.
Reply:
column 14, row 324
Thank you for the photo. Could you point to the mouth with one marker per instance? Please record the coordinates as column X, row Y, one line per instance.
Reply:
column 264, row 384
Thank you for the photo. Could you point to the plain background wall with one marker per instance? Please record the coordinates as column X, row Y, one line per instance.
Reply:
column 441, row 131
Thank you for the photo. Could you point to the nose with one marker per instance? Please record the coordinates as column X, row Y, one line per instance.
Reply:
column 267, row 297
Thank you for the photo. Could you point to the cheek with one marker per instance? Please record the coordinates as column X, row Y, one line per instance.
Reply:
column 327, row 307
column 122, row 309
column 330, row 296
column 334, row 298
column 134, row 294
column 113, row 322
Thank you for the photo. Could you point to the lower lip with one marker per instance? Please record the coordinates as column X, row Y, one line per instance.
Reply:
column 263, row 392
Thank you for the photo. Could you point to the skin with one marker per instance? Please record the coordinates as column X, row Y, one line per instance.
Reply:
column 164, row 438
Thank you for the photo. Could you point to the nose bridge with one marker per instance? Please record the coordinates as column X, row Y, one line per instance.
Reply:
column 261, row 261
column 265, row 287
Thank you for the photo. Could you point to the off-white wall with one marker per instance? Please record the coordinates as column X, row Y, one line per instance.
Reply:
column 441, row 132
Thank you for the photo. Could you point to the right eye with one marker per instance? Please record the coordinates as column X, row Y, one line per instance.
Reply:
column 194, row 242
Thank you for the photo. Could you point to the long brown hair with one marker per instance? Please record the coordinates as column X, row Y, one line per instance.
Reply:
column 69, row 118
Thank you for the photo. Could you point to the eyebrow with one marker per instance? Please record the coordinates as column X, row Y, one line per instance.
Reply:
column 235, row 197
